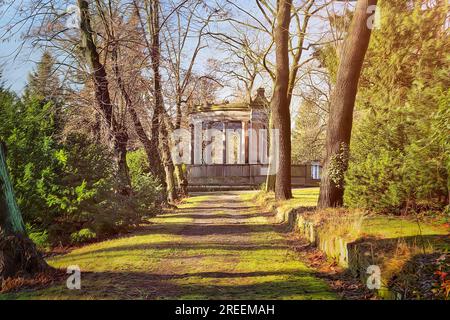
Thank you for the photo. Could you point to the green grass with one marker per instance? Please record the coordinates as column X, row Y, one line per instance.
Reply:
column 394, row 241
column 283, row 271
column 208, row 250
column 395, row 227
column 114, row 261
column 192, row 202
column 306, row 197
column 167, row 261
column 374, row 226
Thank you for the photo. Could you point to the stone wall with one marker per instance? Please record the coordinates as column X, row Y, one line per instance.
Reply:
column 355, row 256
column 250, row 175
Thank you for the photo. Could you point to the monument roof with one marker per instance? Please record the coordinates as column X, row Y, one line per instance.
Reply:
column 260, row 102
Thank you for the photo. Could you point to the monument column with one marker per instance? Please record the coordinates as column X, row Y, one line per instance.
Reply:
column 208, row 156
column 192, row 129
column 198, row 142
column 225, row 151
column 253, row 143
column 244, row 150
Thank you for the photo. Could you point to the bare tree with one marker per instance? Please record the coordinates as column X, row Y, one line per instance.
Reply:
column 160, row 117
column 263, row 23
column 241, row 69
column 280, row 101
column 128, row 59
column 188, row 28
column 119, row 135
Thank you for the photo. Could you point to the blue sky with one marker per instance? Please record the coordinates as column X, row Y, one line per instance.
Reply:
column 17, row 61
column 16, row 64
column 17, row 58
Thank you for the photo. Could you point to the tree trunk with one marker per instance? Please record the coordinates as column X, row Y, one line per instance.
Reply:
column 159, row 115
column 342, row 105
column 92, row 57
column 10, row 217
column 155, row 158
column 280, row 101
column 150, row 149
column 181, row 177
column 102, row 96
column 120, row 144
column 182, row 180
column 179, row 114
column 271, row 178
column 18, row 254
column 153, row 152
column 167, row 163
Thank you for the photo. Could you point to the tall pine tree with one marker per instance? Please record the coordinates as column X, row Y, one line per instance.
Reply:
column 399, row 157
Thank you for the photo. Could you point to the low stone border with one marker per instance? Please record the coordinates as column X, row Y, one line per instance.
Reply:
column 356, row 256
